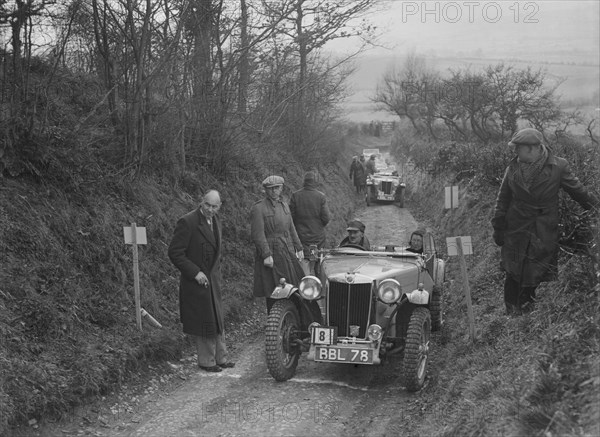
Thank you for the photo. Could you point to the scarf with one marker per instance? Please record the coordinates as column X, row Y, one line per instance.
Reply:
column 528, row 171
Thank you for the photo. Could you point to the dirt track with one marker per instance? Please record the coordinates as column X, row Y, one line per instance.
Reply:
column 322, row 399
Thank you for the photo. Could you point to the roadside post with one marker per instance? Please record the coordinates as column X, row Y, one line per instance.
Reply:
column 134, row 236
column 461, row 246
column 451, row 197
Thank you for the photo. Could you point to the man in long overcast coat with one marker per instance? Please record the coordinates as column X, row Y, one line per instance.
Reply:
column 196, row 251
column 525, row 219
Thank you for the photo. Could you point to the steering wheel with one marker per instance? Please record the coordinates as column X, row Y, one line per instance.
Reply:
column 353, row 246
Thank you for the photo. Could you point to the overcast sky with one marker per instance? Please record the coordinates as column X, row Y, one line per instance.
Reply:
column 495, row 28
column 561, row 37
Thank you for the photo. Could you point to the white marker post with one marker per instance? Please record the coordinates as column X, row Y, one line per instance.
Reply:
column 135, row 236
column 461, row 246
column 451, row 198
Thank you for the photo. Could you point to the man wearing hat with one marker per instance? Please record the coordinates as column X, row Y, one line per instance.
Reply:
column 356, row 235
column 525, row 220
column 371, row 165
column 310, row 214
column 357, row 173
column 277, row 246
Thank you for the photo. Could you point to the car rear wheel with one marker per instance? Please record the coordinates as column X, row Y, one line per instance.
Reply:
column 282, row 353
column 416, row 351
column 435, row 308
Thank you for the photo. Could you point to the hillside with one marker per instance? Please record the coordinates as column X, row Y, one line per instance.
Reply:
column 67, row 318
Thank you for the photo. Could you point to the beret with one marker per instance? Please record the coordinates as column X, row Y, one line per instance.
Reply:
column 272, row 181
column 527, row 137
column 355, row 225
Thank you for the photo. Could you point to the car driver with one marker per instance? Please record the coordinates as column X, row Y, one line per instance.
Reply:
column 356, row 235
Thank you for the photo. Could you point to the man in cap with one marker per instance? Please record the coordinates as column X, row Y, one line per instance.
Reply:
column 310, row 214
column 525, row 220
column 357, row 173
column 371, row 165
column 196, row 252
column 277, row 246
column 356, row 235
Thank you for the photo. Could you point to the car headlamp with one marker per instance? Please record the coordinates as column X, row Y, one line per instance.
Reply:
column 389, row 291
column 310, row 287
column 375, row 332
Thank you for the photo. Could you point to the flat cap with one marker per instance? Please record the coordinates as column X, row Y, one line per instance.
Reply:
column 356, row 225
column 527, row 137
column 272, row 181
column 310, row 176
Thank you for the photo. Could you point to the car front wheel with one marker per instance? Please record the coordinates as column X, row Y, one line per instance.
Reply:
column 416, row 351
column 282, row 352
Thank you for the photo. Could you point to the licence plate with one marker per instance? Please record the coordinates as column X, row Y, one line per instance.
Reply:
column 344, row 354
column 324, row 335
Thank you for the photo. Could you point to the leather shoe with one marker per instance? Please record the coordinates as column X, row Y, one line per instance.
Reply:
column 211, row 368
column 227, row 365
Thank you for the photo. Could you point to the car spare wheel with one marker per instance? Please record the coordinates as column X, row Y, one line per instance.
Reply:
column 417, row 349
column 282, row 352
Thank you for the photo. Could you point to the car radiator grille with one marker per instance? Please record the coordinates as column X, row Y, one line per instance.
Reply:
column 349, row 304
column 386, row 187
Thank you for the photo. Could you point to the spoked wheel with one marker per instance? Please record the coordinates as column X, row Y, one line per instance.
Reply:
column 417, row 349
column 435, row 307
column 282, row 353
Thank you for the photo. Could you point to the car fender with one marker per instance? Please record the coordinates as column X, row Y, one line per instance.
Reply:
column 283, row 292
column 418, row 297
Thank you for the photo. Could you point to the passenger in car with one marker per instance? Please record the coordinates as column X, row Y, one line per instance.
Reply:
column 415, row 243
column 356, row 235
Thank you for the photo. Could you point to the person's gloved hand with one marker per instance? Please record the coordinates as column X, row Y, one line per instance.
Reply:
column 498, row 237
column 268, row 261
column 300, row 255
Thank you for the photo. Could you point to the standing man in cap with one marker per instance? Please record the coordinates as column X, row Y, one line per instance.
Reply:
column 525, row 220
column 196, row 252
column 356, row 235
column 310, row 214
column 278, row 248
column 371, row 165
column 357, row 173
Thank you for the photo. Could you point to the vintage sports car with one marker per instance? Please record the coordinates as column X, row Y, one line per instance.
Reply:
column 361, row 307
column 385, row 186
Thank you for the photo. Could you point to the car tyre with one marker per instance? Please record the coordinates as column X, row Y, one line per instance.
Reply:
column 435, row 308
column 416, row 352
column 282, row 325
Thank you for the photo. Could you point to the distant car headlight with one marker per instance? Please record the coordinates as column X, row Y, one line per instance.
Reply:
column 310, row 287
column 375, row 332
column 389, row 291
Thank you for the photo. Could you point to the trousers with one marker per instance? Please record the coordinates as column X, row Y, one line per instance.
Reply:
column 516, row 295
column 211, row 350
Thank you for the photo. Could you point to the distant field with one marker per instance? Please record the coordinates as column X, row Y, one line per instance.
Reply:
column 581, row 82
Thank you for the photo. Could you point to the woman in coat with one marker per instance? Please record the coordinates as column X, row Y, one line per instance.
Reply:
column 278, row 248
column 525, row 220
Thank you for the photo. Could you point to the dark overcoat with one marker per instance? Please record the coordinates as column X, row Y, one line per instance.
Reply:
column 528, row 219
column 195, row 248
column 358, row 173
column 310, row 213
column 274, row 234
